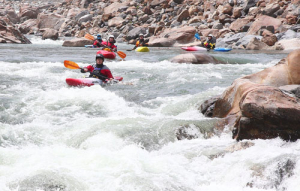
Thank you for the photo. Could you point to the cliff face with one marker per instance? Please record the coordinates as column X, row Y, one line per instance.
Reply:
column 233, row 22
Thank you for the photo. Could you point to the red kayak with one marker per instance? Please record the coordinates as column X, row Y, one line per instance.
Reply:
column 89, row 81
column 107, row 54
column 194, row 48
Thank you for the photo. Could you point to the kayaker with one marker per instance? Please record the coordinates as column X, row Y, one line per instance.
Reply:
column 141, row 42
column 110, row 43
column 210, row 43
column 98, row 70
column 98, row 42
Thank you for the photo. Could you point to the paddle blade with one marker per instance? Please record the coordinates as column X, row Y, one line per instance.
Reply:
column 71, row 65
column 89, row 37
column 197, row 36
column 121, row 54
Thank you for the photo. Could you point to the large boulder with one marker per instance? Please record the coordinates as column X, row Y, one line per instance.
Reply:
column 257, row 108
column 270, row 9
column 134, row 33
column 9, row 33
column 28, row 13
column 238, row 24
column 196, row 58
column 116, row 21
column 183, row 15
column 12, row 15
column 256, row 44
column 50, row 34
column 77, row 42
column 28, row 25
column 53, row 21
column 290, row 44
column 85, row 18
column 115, row 7
column 264, row 20
column 174, row 37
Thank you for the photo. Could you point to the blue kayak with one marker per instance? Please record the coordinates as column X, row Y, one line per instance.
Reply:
column 223, row 49
column 88, row 46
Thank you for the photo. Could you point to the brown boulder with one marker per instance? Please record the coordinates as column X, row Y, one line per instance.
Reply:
column 77, row 42
column 238, row 24
column 28, row 25
column 263, row 20
column 12, row 15
column 259, row 108
column 197, row 58
column 237, row 12
column 114, row 8
column 227, row 9
column 9, row 33
column 291, row 19
column 174, row 37
column 183, row 15
column 269, row 38
column 116, row 21
column 271, row 9
column 29, row 13
column 52, row 21
column 256, row 44
column 50, row 34
column 290, row 44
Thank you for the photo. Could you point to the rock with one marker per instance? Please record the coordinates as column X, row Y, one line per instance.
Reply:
column 196, row 19
column 116, row 21
column 187, row 132
column 249, row 4
column 28, row 13
column 197, row 58
column 269, row 38
column 174, row 37
column 52, row 21
column 28, row 25
column 237, row 12
column 81, row 14
column 271, row 9
column 246, row 39
column 257, row 106
column 77, row 42
column 12, row 15
column 134, row 33
column 183, row 15
column 50, row 34
column 147, row 10
column 206, row 32
column 290, row 44
column 238, row 24
column 234, row 38
column 9, row 33
column 289, row 34
column 293, row 89
column 256, row 44
column 217, row 26
column 85, row 18
column 114, row 8
column 193, row 10
column 207, row 107
column 227, row 9
column 267, row 113
column 291, row 19
column 263, row 20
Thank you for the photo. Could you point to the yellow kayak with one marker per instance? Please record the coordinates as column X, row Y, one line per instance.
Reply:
column 142, row 49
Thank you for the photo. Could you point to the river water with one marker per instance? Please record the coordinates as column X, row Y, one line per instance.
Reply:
column 123, row 137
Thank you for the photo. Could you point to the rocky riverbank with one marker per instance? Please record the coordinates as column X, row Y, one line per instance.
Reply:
column 241, row 24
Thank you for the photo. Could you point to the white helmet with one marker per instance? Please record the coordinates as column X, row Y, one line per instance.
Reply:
column 210, row 35
column 111, row 36
column 141, row 34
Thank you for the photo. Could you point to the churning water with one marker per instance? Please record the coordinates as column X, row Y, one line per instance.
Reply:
column 123, row 137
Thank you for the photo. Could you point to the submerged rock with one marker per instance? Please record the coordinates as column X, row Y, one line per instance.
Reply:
column 196, row 58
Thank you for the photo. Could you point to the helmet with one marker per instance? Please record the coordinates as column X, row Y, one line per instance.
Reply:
column 99, row 36
column 141, row 34
column 100, row 56
column 210, row 35
column 111, row 36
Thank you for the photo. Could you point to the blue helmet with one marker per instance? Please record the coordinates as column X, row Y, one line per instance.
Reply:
column 99, row 36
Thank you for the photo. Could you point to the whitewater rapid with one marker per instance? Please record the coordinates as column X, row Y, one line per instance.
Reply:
column 123, row 137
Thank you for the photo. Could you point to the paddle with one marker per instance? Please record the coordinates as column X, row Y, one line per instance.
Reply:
column 197, row 36
column 71, row 65
column 88, row 36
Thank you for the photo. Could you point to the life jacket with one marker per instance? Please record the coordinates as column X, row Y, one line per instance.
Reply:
column 97, row 72
column 98, row 43
column 141, row 43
